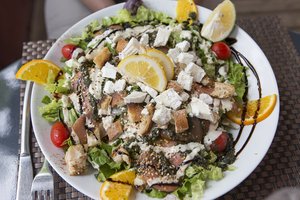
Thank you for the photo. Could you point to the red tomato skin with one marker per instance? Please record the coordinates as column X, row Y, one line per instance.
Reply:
column 59, row 134
column 67, row 50
column 222, row 50
column 219, row 145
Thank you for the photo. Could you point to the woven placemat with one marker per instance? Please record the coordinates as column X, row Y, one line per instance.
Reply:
column 281, row 166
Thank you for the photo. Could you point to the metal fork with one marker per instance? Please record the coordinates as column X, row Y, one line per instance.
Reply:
column 43, row 185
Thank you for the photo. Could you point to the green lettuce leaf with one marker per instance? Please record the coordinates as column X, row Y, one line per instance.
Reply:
column 236, row 77
column 62, row 86
column 86, row 35
column 154, row 193
column 194, row 183
column 51, row 110
column 143, row 15
column 99, row 157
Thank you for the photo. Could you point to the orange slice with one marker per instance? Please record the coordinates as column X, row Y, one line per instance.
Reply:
column 118, row 186
column 267, row 105
column 37, row 71
column 186, row 9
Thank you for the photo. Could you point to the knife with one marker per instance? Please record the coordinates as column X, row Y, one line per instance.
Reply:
column 25, row 175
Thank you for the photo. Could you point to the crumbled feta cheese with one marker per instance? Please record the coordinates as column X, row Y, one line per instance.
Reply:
column 117, row 36
column 107, row 122
column 201, row 110
column 153, row 93
column 72, row 63
column 206, row 98
column 98, row 38
column 81, row 59
column 145, row 112
column 162, row 36
column 135, row 97
column 186, row 34
column 109, row 87
column 162, row 116
column 77, row 53
column 129, row 88
column 184, row 96
column 91, row 140
column 133, row 47
column 199, row 62
column 185, row 80
column 186, row 58
column 109, row 71
column 173, row 54
column 147, row 99
column 95, row 88
column 216, row 105
column 183, row 46
column 119, row 85
column 195, row 71
column 223, row 71
column 75, row 100
column 227, row 104
column 169, row 98
column 144, row 39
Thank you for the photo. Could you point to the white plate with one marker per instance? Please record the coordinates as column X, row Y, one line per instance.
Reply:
column 246, row 161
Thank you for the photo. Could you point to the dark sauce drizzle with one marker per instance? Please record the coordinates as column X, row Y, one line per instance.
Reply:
column 238, row 56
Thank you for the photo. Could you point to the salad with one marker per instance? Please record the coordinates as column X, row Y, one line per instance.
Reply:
column 143, row 92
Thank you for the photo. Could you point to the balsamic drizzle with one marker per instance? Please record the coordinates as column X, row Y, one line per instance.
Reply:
column 238, row 56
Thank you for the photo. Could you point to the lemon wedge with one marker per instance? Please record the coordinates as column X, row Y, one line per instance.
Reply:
column 37, row 71
column 186, row 9
column 145, row 69
column 163, row 60
column 220, row 22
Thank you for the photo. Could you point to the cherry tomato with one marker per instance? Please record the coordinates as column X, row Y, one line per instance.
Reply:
column 59, row 134
column 67, row 50
column 221, row 50
column 220, row 143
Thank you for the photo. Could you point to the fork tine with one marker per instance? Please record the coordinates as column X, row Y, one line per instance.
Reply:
column 51, row 194
column 44, row 194
column 33, row 195
column 39, row 195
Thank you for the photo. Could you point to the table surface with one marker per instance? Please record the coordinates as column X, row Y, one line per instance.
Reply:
column 9, row 123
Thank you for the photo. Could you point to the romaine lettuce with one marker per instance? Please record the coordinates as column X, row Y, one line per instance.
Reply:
column 51, row 110
column 236, row 77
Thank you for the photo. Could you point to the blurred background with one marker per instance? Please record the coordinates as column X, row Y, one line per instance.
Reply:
column 27, row 21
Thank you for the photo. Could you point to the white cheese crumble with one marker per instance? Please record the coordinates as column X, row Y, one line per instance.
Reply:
column 169, row 98
column 109, row 87
column 144, row 39
column 119, row 85
column 206, row 98
column 162, row 116
column 95, row 88
column 162, row 36
column 173, row 54
column 195, row 71
column 186, row 58
column 107, row 122
column 184, row 96
column 183, row 46
column 109, row 71
column 201, row 110
column 185, row 34
column 135, row 97
column 185, row 80
column 72, row 63
column 227, row 104
column 153, row 93
column 75, row 100
column 133, row 47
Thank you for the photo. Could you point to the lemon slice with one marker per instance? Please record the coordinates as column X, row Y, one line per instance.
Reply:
column 118, row 186
column 220, row 22
column 37, row 71
column 145, row 69
column 267, row 105
column 186, row 9
column 163, row 60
